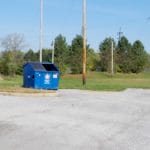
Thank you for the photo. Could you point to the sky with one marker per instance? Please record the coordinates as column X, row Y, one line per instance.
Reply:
column 104, row 19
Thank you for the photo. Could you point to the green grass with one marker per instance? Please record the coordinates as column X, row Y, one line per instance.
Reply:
column 10, row 82
column 14, row 84
column 104, row 82
column 96, row 81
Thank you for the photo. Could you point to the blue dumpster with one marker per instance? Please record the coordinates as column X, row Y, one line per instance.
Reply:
column 40, row 76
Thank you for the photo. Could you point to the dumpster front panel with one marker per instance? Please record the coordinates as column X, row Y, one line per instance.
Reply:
column 46, row 80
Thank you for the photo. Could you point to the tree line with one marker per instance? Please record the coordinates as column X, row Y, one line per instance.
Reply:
column 128, row 58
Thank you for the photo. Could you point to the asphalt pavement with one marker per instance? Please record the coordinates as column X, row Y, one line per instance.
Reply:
column 76, row 120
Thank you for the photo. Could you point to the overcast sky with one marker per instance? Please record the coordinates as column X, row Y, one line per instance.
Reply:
column 104, row 18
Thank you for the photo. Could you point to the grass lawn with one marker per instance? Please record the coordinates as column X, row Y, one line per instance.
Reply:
column 95, row 81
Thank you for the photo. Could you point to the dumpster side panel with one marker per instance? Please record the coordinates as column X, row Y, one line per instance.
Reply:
column 28, row 74
column 38, row 80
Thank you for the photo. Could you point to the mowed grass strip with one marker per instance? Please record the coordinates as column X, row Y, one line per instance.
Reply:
column 96, row 81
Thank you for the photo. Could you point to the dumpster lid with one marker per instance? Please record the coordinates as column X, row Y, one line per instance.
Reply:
column 49, row 67
column 44, row 66
column 37, row 66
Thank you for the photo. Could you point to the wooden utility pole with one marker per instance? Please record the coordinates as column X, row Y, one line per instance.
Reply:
column 84, row 43
column 112, row 58
column 41, row 29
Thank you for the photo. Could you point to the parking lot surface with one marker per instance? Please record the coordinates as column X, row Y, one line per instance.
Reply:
column 76, row 120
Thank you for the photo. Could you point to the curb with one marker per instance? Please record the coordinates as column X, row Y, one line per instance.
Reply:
column 53, row 93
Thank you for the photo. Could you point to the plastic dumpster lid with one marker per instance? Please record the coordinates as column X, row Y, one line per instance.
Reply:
column 36, row 66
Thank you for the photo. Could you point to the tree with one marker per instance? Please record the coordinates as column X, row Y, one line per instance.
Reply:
column 93, row 60
column 61, row 49
column 11, row 62
column 30, row 55
column 105, row 54
column 76, row 55
column 13, row 41
column 5, row 63
column 148, row 63
column 12, row 58
column 122, row 55
column 138, row 57
column 47, row 55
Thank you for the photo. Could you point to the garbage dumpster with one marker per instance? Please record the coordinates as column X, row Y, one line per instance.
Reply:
column 40, row 76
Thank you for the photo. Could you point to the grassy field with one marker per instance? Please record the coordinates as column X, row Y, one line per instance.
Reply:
column 96, row 81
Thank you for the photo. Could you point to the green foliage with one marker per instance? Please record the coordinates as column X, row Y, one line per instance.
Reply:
column 12, row 58
column 61, row 49
column 93, row 60
column 10, row 62
column 138, row 57
column 122, row 55
column 30, row 55
column 105, row 54
column 127, row 58
column 76, row 55
column 131, row 58
column 47, row 55
column 148, row 62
